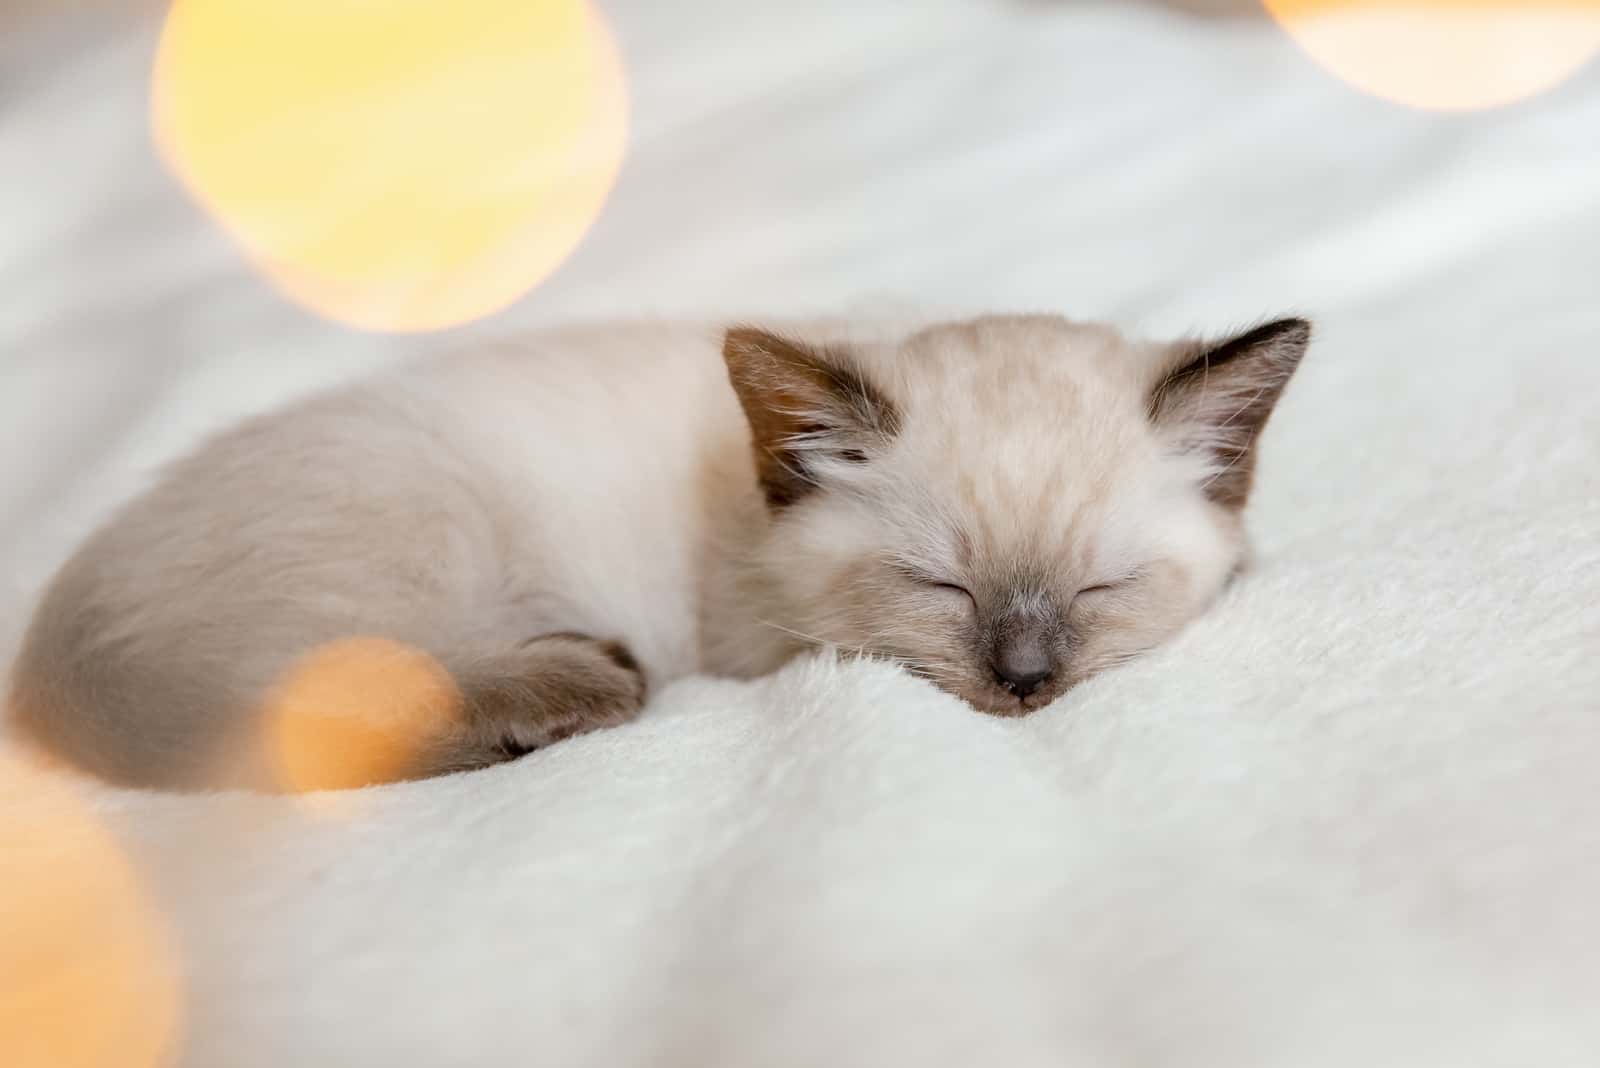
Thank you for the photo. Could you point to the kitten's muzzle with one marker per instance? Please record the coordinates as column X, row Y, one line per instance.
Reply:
column 1024, row 662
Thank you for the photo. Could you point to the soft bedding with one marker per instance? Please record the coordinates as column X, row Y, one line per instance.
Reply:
column 1349, row 818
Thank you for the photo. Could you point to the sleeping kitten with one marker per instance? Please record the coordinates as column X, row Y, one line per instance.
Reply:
column 1005, row 506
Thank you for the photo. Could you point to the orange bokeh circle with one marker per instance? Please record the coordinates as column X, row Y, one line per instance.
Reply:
column 403, row 166
column 88, row 975
column 1446, row 55
column 358, row 712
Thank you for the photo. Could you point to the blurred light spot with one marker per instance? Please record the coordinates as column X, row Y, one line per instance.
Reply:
column 1446, row 55
column 358, row 712
column 406, row 165
column 87, row 976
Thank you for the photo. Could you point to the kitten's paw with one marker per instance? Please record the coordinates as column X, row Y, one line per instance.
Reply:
column 567, row 684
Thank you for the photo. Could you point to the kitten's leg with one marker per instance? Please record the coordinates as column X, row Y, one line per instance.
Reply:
column 551, row 687
column 185, row 710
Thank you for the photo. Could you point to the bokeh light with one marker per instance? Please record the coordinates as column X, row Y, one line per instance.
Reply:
column 1446, row 55
column 357, row 712
column 87, row 973
column 400, row 166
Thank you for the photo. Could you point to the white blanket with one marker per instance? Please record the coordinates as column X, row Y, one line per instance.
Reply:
column 1351, row 818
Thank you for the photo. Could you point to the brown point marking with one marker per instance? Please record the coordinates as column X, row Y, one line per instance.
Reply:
column 1229, row 390
column 791, row 391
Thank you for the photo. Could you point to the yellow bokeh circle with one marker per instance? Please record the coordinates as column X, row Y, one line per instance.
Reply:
column 403, row 166
column 1446, row 55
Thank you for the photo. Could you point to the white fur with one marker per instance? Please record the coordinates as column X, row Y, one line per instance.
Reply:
column 1347, row 820
column 602, row 481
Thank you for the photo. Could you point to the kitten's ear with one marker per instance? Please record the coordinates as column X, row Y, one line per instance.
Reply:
column 807, row 407
column 1217, row 398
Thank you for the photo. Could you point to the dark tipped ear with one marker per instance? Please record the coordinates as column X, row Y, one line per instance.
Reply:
column 1217, row 398
column 807, row 407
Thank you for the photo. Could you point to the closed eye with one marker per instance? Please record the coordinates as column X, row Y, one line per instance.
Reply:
column 1115, row 584
column 922, row 578
column 951, row 590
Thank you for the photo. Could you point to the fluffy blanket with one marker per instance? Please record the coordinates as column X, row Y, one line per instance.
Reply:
column 1349, row 818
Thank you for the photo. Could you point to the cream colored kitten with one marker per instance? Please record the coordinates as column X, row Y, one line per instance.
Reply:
column 1005, row 506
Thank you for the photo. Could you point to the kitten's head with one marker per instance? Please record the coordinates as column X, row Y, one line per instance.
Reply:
column 1008, row 505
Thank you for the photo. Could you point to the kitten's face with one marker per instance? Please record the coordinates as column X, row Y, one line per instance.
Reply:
column 1005, row 506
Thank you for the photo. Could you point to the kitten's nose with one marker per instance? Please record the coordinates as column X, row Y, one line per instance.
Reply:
column 1023, row 667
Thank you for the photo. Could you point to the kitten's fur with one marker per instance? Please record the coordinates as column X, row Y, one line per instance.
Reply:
column 1005, row 505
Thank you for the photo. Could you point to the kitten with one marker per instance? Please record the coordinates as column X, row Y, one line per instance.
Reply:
column 1005, row 506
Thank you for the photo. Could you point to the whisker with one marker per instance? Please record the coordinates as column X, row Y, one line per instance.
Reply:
column 933, row 669
column 802, row 635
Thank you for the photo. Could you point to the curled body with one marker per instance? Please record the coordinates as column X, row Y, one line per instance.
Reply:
column 1004, row 505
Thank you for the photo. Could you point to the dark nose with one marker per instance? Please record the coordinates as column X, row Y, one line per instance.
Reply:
column 1022, row 667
